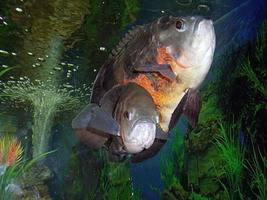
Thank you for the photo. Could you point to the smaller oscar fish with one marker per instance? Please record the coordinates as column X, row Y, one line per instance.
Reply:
column 125, row 121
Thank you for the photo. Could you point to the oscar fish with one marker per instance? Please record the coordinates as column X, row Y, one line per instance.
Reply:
column 125, row 121
column 170, row 58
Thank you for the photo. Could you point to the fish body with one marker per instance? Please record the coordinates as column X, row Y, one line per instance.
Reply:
column 167, row 57
column 135, row 112
column 125, row 121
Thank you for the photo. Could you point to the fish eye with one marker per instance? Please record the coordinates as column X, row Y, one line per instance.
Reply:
column 126, row 114
column 180, row 25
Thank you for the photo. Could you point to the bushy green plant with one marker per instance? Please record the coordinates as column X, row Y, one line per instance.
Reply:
column 5, row 70
column 11, row 164
column 195, row 196
column 258, row 169
column 231, row 153
column 172, row 165
column 247, row 70
column 116, row 182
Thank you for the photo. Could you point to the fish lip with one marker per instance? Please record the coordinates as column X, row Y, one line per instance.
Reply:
column 138, row 141
column 143, row 121
column 198, row 21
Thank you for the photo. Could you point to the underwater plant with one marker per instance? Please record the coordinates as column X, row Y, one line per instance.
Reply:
column 10, row 151
column 174, row 163
column 172, row 169
column 116, row 182
column 45, row 100
column 258, row 170
column 12, row 166
column 5, row 70
column 195, row 196
column 232, row 153
column 10, row 155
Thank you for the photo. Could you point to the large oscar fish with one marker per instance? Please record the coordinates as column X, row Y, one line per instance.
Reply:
column 169, row 58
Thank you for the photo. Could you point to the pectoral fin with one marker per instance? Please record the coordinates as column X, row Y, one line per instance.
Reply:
column 95, row 119
column 164, row 69
column 189, row 106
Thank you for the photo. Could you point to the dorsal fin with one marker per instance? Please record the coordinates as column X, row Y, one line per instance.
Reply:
column 125, row 40
column 121, row 57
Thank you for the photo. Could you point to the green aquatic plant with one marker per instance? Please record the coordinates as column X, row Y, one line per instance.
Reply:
column 11, row 164
column 210, row 110
column 45, row 100
column 172, row 166
column 258, row 169
column 116, row 182
column 246, row 101
column 5, row 70
column 261, row 44
column 195, row 196
column 247, row 70
column 231, row 152
column 130, row 12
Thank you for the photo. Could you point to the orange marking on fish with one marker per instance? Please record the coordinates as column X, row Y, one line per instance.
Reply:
column 165, row 94
column 164, row 57
column 143, row 81
column 159, row 90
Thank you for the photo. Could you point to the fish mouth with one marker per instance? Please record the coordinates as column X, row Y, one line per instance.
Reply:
column 201, row 23
column 141, row 136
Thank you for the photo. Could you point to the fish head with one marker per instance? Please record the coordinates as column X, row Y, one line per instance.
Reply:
column 138, row 118
column 188, row 41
